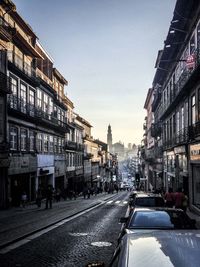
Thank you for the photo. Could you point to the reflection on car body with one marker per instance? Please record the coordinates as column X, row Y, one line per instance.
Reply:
column 178, row 248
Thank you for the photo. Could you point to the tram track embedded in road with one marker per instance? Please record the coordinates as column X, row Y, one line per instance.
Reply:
column 23, row 239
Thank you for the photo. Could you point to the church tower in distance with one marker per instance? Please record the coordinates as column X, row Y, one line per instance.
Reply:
column 109, row 138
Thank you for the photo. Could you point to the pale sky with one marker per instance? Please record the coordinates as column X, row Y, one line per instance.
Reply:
column 106, row 49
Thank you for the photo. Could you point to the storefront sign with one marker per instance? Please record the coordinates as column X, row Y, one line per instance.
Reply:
column 170, row 153
column 195, row 152
column 179, row 150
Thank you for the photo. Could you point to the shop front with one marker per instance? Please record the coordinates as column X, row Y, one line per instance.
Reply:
column 194, row 174
column 181, row 171
column 21, row 178
column 45, row 172
column 169, row 163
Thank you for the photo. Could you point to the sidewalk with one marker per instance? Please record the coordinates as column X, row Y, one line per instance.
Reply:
column 195, row 216
column 17, row 223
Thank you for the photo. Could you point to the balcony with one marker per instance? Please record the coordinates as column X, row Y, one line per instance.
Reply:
column 179, row 88
column 194, row 131
column 150, row 155
column 18, row 107
column 6, row 31
column 157, row 98
column 70, row 145
column 179, row 138
column 88, row 156
column 21, row 65
column 5, row 83
column 156, row 129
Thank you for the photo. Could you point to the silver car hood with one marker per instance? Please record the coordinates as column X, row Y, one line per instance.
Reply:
column 164, row 248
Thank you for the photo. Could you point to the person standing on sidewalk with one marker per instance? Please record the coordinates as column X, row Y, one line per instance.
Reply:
column 49, row 196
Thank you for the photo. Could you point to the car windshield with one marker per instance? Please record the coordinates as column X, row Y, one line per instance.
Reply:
column 160, row 220
column 149, row 202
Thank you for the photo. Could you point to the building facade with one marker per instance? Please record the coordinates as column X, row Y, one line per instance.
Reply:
column 176, row 103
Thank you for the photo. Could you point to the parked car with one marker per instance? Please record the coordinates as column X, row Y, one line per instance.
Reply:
column 170, row 248
column 146, row 200
column 154, row 219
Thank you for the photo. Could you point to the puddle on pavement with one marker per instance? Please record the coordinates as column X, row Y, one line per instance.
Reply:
column 78, row 234
column 101, row 244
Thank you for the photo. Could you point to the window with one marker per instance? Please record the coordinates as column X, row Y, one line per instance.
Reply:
column 59, row 116
column 55, row 145
column 50, row 107
column 39, row 99
column 31, row 102
column 27, row 66
column 177, row 122
column 186, row 114
column 23, row 97
column 51, row 144
column 67, row 159
column 18, row 58
column 39, row 142
column 13, row 138
column 193, row 103
column 182, row 118
column 170, row 128
column 31, row 141
column 59, row 145
column 13, row 97
column 23, row 139
column 46, row 143
column 45, row 103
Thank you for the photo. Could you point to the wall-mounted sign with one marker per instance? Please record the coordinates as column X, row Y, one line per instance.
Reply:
column 179, row 149
column 195, row 152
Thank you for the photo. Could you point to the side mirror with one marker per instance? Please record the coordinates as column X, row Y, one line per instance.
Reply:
column 96, row 264
column 123, row 219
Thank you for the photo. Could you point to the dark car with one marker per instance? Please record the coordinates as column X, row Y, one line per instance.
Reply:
column 169, row 248
column 154, row 219
column 146, row 200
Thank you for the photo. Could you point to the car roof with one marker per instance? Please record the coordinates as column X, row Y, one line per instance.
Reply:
column 148, row 195
column 157, row 209
column 167, row 248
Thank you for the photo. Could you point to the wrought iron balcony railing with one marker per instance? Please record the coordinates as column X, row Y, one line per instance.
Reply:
column 179, row 138
column 179, row 85
column 22, row 107
column 194, row 131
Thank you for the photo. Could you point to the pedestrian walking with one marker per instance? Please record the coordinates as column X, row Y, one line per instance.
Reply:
column 49, row 196
column 88, row 193
column 169, row 198
column 179, row 198
column 39, row 197
column 85, row 191
column 24, row 199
